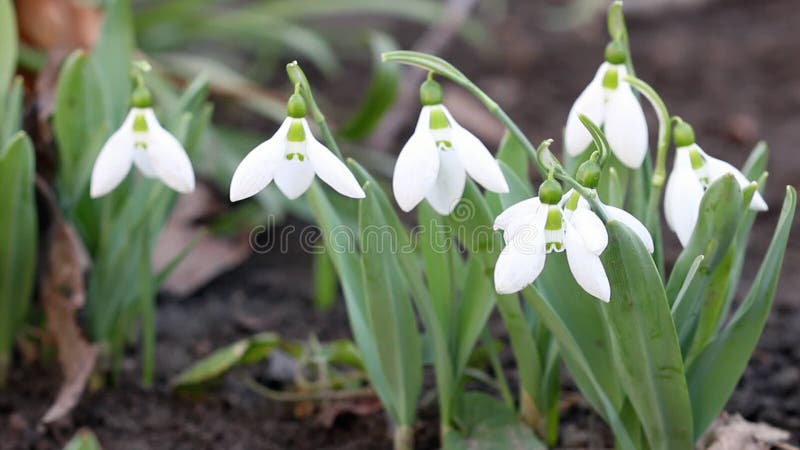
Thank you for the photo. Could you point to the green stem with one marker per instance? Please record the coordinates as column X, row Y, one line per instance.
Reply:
column 298, row 78
column 497, row 368
column 403, row 438
column 659, row 177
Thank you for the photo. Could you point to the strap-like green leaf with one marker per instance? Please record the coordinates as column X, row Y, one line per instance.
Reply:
column 112, row 57
column 714, row 373
column 8, row 46
column 391, row 316
column 18, row 241
column 645, row 345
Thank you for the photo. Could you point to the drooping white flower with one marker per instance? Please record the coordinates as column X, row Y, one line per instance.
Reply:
column 141, row 141
column 693, row 171
column 609, row 102
column 533, row 228
column 573, row 200
column 436, row 160
column 291, row 157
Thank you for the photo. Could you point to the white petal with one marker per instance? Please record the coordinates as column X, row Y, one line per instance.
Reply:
column 417, row 165
column 590, row 103
column 168, row 158
column 113, row 163
column 256, row 170
column 142, row 161
column 586, row 266
column 516, row 212
column 633, row 223
column 330, row 168
column 626, row 127
column 682, row 197
column 717, row 168
column 476, row 158
column 446, row 192
column 591, row 229
column 522, row 260
column 294, row 177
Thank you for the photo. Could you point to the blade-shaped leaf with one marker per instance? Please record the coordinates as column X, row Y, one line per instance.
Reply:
column 18, row 241
column 391, row 316
column 713, row 375
column 8, row 46
column 645, row 345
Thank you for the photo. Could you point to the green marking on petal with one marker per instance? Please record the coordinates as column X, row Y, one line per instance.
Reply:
column 140, row 123
column 697, row 159
column 572, row 202
column 611, row 78
column 438, row 119
column 554, row 219
column 297, row 133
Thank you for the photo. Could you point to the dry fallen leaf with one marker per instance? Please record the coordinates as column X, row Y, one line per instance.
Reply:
column 208, row 258
column 62, row 294
column 328, row 412
column 732, row 432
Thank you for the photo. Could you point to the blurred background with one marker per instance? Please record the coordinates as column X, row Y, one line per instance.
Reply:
column 729, row 67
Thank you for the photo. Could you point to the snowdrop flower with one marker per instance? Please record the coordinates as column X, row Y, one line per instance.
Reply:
column 610, row 102
column 436, row 160
column 535, row 227
column 588, row 175
column 291, row 157
column 141, row 141
column 693, row 171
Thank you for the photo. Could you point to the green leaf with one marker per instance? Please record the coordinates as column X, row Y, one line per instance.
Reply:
column 18, row 241
column 11, row 112
column 513, row 154
column 220, row 361
column 83, row 440
column 518, row 190
column 8, row 46
column 381, row 93
column 490, row 425
column 713, row 375
column 340, row 244
column 391, row 316
column 79, row 125
column 583, row 315
column 645, row 345
column 325, row 283
column 112, row 58
column 717, row 221
column 579, row 366
column 436, row 245
column 474, row 309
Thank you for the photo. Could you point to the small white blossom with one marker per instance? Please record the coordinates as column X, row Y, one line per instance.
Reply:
column 613, row 213
column 141, row 141
column 436, row 160
column 533, row 229
column 692, row 173
column 291, row 157
column 617, row 110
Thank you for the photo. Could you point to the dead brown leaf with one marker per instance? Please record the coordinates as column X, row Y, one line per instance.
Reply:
column 58, row 24
column 62, row 294
column 732, row 432
column 209, row 257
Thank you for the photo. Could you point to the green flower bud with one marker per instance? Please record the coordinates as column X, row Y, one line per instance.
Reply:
column 296, row 106
column 550, row 192
column 141, row 98
column 430, row 92
column 588, row 173
column 615, row 53
column 682, row 133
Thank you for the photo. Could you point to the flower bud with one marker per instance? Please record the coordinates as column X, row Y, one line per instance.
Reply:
column 141, row 98
column 430, row 92
column 588, row 173
column 550, row 192
column 682, row 133
column 615, row 53
column 296, row 106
